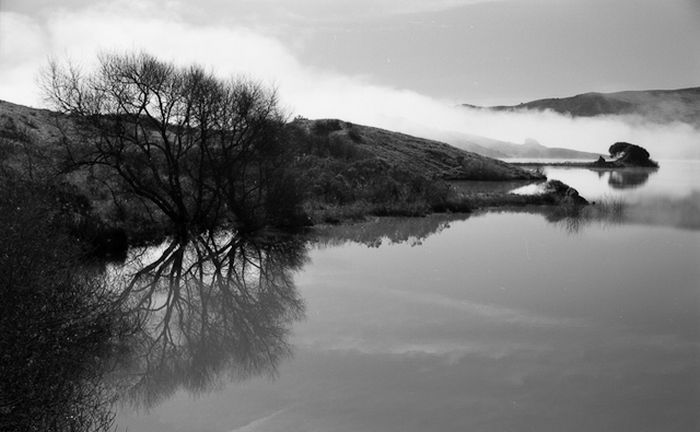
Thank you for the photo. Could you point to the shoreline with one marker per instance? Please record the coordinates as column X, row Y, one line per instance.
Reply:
column 606, row 166
column 556, row 195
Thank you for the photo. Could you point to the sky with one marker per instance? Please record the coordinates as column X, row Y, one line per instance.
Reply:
column 399, row 64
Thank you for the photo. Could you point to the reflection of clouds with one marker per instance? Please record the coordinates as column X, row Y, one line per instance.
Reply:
column 261, row 421
column 367, row 353
column 490, row 311
column 452, row 351
column 530, row 189
column 397, row 339
column 431, row 356
column 414, row 330
column 578, row 387
column 604, row 352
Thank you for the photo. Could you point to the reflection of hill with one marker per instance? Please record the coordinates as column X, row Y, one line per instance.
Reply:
column 211, row 308
column 393, row 230
column 680, row 213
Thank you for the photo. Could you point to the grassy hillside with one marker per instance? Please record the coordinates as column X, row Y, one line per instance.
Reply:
column 337, row 169
column 349, row 171
column 428, row 158
column 431, row 159
column 40, row 125
column 661, row 106
column 494, row 148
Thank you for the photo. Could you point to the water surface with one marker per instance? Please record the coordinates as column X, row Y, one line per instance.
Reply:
column 494, row 322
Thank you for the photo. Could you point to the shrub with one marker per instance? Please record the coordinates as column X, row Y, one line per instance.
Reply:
column 324, row 127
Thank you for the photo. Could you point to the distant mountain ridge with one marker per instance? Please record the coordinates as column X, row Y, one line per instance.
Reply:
column 661, row 106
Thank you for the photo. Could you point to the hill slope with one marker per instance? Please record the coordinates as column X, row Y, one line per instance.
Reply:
column 19, row 122
column 428, row 158
column 661, row 106
column 422, row 156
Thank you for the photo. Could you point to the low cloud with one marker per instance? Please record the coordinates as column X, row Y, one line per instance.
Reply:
column 26, row 42
column 594, row 134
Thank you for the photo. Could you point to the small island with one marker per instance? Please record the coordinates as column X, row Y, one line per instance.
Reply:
column 622, row 155
column 626, row 155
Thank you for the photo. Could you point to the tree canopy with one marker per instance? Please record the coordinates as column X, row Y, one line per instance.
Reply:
column 194, row 148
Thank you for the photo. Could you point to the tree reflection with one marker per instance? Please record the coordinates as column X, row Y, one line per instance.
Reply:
column 630, row 178
column 76, row 336
column 610, row 211
column 209, row 307
column 392, row 230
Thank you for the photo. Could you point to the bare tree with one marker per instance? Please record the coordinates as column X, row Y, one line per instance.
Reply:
column 201, row 150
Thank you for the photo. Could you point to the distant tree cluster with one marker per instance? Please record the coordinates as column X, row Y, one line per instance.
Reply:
column 631, row 154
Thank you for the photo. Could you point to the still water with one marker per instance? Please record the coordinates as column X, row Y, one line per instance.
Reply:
column 500, row 321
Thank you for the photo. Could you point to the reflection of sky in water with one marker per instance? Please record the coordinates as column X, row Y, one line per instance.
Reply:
column 674, row 178
column 668, row 196
column 498, row 322
column 530, row 189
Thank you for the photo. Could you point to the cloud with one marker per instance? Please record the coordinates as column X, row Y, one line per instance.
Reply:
column 316, row 11
column 268, row 14
column 161, row 29
column 22, row 42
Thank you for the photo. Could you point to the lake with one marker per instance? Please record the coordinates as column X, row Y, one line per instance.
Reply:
column 497, row 321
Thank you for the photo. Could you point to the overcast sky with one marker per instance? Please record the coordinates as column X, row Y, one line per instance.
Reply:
column 367, row 59
column 484, row 52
